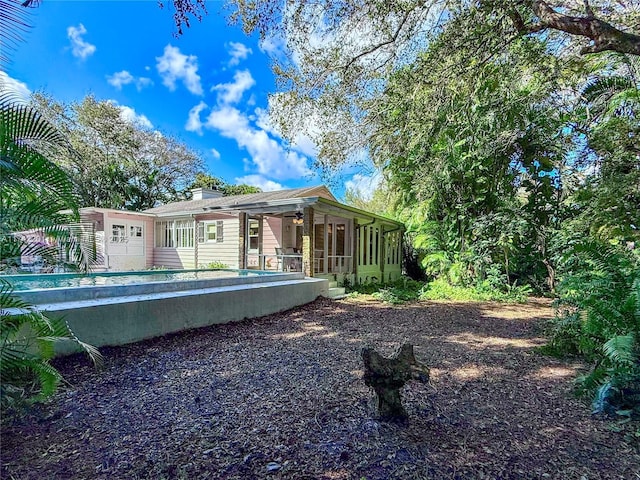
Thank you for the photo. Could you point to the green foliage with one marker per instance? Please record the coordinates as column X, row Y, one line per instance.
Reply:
column 118, row 163
column 204, row 180
column 27, row 340
column 33, row 191
column 216, row 264
column 471, row 156
column 401, row 291
column 599, row 318
column 406, row 290
column 35, row 194
column 441, row 289
column 381, row 201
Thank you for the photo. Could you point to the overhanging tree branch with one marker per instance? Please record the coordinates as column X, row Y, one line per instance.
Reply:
column 603, row 35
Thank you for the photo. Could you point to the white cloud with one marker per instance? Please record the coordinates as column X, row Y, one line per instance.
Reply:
column 174, row 65
column 261, row 182
column 308, row 123
column 364, row 185
column 15, row 87
column 267, row 155
column 273, row 46
column 194, row 124
column 237, row 51
column 123, row 77
column 119, row 79
column 129, row 114
column 79, row 47
column 142, row 82
column 215, row 153
column 229, row 93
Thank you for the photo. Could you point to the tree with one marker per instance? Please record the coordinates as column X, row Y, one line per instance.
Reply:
column 609, row 109
column 120, row 164
column 339, row 55
column 204, row 180
column 471, row 155
column 381, row 200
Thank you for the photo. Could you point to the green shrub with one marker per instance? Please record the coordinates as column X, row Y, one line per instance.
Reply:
column 216, row 264
column 406, row 290
column 440, row 289
column 27, row 339
column 599, row 318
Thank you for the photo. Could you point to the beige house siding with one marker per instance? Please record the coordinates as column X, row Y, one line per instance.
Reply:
column 225, row 251
column 173, row 258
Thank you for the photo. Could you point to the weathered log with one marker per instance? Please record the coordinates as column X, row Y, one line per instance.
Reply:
column 388, row 375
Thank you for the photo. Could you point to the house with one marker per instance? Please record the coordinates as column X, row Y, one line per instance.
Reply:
column 303, row 229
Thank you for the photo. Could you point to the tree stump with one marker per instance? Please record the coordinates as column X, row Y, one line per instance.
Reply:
column 388, row 375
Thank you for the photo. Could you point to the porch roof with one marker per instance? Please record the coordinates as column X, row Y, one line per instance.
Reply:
column 240, row 202
column 272, row 203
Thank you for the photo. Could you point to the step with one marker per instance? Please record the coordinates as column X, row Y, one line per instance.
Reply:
column 333, row 284
column 336, row 293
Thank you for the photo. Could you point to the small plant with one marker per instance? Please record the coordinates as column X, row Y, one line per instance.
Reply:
column 398, row 292
column 216, row 264
column 441, row 289
column 27, row 340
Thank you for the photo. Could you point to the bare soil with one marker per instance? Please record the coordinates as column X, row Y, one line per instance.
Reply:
column 283, row 397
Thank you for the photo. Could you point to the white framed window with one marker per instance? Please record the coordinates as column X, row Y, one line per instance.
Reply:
column 164, row 233
column 254, row 232
column 118, row 234
column 135, row 231
column 174, row 233
column 209, row 232
column 184, row 233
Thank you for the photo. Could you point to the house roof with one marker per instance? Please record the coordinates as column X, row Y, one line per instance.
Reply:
column 235, row 201
column 270, row 203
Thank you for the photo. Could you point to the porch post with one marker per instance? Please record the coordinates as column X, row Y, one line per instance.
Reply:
column 242, row 235
column 260, row 240
column 195, row 242
column 383, row 253
column 307, row 242
column 355, row 251
column 325, row 242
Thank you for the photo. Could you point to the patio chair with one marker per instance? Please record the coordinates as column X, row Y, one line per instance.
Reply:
column 293, row 263
column 280, row 263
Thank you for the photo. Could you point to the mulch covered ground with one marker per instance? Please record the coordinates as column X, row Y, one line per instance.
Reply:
column 283, row 397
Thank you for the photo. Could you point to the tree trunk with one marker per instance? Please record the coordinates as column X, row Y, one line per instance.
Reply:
column 388, row 375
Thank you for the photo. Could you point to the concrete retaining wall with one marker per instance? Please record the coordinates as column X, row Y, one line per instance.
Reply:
column 128, row 319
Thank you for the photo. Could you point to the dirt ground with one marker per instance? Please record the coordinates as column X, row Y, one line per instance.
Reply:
column 283, row 397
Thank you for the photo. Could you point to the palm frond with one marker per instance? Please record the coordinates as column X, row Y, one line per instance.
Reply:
column 13, row 24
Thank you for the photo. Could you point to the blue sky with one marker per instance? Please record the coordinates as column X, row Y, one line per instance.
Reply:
column 208, row 87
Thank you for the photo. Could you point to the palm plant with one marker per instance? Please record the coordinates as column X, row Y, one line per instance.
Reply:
column 27, row 340
column 34, row 194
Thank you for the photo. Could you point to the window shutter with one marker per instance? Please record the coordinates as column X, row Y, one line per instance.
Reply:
column 219, row 230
